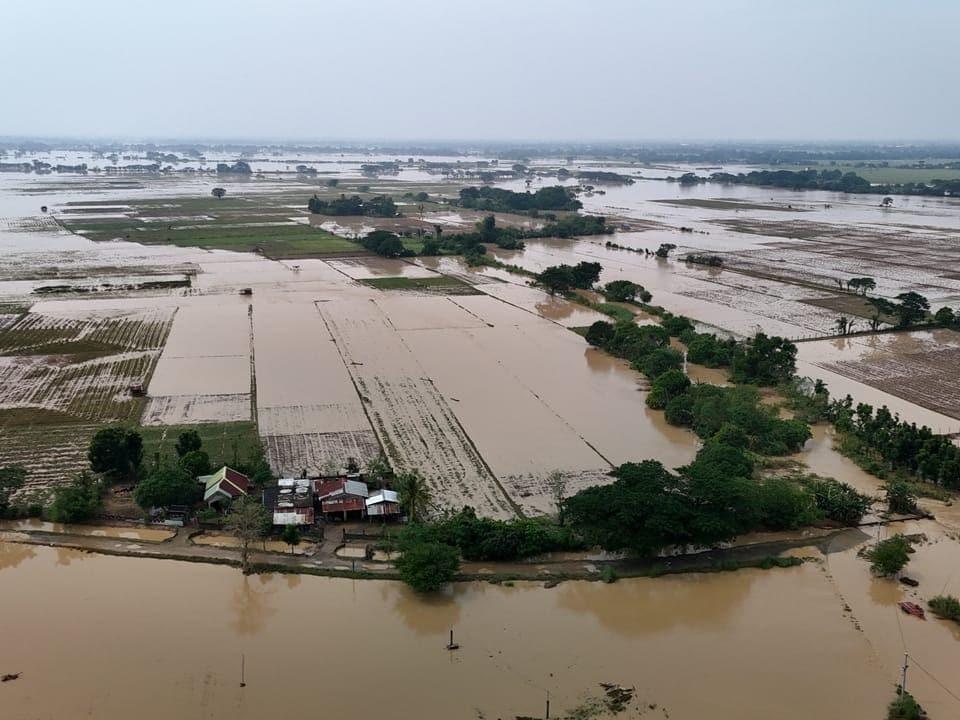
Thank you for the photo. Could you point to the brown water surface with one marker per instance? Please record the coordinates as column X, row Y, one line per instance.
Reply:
column 158, row 639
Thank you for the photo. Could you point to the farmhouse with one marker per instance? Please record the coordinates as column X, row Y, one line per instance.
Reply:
column 224, row 485
column 342, row 497
column 290, row 502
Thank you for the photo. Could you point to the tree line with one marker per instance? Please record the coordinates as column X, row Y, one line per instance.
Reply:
column 377, row 206
column 554, row 197
column 832, row 180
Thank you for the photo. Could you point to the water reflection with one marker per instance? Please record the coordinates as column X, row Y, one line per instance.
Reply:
column 251, row 604
column 12, row 554
column 637, row 607
column 426, row 614
column 65, row 556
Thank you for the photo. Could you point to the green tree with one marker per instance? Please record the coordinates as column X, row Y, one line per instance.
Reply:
column 643, row 510
column 426, row 567
column 625, row 291
column 600, row 333
column 12, row 478
column 188, row 441
column 416, row 497
column 80, row 500
column 116, row 452
column 291, row 536
column 723, row 498
column 660, row 361
column 667, row 386
column 890, row 556
column 764, row 361
column 912, row 308
column 664, row 250
column 945, row 317
column 218, row 193
column 167, row 484
column 196, row 463
column 249, row 521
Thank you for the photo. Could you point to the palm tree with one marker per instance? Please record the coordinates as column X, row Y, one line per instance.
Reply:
column 416, row 498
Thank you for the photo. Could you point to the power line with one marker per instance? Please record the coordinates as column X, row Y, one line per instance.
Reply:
column 947, row 690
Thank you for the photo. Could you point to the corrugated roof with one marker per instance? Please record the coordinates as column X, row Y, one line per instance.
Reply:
column 225, row 480
column 383, row 496
column 300, row 516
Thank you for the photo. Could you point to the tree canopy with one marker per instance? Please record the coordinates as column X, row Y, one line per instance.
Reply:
column 116, row 452
column 167, row 484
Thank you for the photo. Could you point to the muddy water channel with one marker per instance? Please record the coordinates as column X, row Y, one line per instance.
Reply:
column 158, row 639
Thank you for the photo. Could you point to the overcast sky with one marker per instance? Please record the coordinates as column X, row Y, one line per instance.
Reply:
column 481, row 69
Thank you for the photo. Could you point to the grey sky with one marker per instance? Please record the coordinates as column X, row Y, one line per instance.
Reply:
column 485, row 69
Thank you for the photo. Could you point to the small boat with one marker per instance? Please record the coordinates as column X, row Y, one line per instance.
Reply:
column 909, row 581
column 912, row 609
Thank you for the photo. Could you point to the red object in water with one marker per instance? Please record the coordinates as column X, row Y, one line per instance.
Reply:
column 913, row 609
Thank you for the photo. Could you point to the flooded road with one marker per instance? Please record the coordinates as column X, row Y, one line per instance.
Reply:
column 160, row 639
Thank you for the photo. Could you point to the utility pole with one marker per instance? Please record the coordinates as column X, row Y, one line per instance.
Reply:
column 548, row 705
column 903, row 681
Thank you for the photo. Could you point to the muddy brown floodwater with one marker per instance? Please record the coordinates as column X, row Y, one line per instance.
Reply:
column 158, row 639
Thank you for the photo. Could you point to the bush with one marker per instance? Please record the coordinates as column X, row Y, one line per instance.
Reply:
column 905, row 708
column 784, row 505
column 676, row 325
column 599, row 334
column 945, row 606
column 608, row 575
column 890, row 556
column 500, row 540
column 80, row 500
column 838, row 501
column 426, row 567
column 900, row 497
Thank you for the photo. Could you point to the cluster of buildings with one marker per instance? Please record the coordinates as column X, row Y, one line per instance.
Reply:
column 304, row 501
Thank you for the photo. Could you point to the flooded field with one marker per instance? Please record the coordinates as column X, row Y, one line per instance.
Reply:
column 922, row 367
column 486, row 394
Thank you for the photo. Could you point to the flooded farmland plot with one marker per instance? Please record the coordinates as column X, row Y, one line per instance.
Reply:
column 204, row 372
column 309, row 413
column 415, row 423
column 921, row 367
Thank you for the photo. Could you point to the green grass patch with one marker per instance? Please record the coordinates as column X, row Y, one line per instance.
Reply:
column 225, row 443
column 618, row 313
column 409, row 283
column 78, row 350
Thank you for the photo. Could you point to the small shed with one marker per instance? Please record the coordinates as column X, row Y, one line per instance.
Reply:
column 225, row 484
column 384, row 503
column 293, row 516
